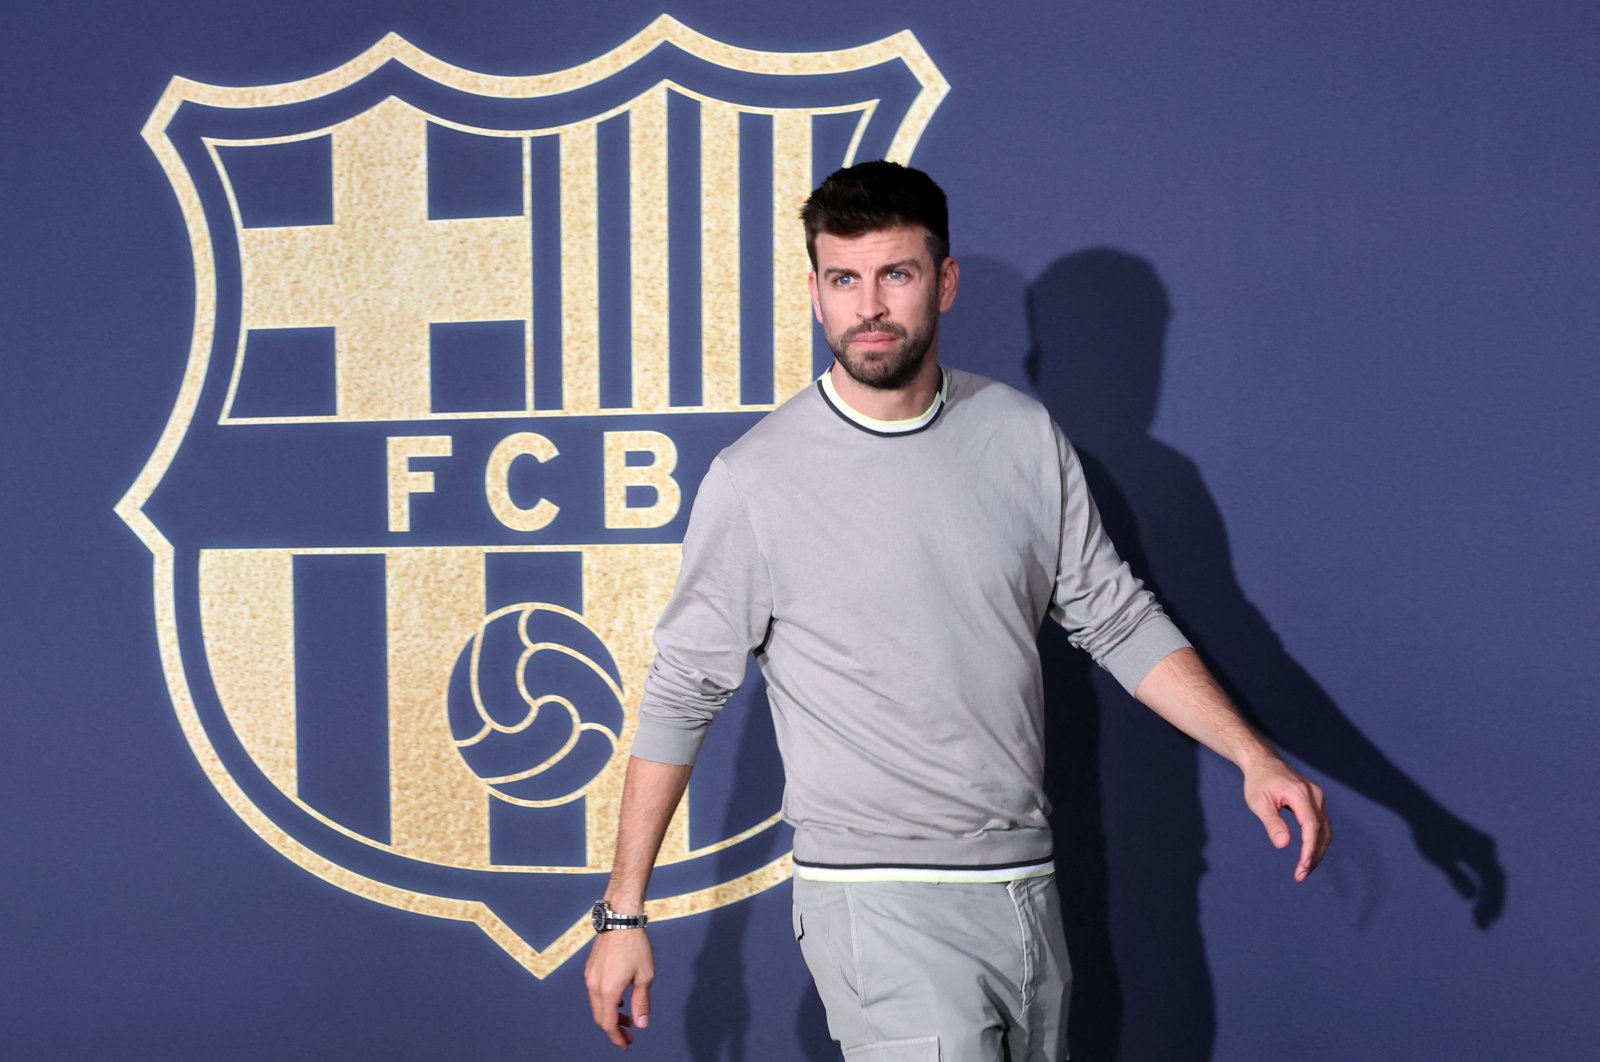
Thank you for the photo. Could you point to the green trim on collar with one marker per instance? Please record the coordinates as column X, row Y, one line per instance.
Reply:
column 885, row 427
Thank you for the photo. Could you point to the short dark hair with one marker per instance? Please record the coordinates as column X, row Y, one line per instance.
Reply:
column 871, row 196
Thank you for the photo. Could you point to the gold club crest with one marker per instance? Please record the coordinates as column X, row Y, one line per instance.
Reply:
column 463, row 345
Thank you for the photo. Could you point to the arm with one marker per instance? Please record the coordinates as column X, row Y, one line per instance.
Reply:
column 1180, row 690
column 623, row 958
column 1108, row 613
column 718, row 614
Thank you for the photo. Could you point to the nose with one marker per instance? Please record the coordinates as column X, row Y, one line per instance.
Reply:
column 870, row 307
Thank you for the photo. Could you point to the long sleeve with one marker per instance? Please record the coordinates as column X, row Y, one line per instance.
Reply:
column 1105, row 609
column 718, row 615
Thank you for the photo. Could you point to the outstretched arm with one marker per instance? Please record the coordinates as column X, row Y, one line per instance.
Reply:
column 1182, row 691
column 623, row 958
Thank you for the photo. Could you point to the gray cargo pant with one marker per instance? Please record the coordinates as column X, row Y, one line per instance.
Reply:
column 918, row 972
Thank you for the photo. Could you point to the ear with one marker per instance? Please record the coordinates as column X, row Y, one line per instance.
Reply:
column 816, row 301
column 949, row 280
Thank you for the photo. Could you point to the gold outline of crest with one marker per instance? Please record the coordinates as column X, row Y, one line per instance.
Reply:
column 902, row 46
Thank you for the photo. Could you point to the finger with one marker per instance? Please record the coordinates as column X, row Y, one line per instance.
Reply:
column 1465, row 887
column 1305, row 812
column 607, row 1014
column 612, row 1026
column 1267, row 812
column 1492, row 898
column 641, row 1005
column 614, row 1029
column 1325, row 835
column 598, row 1005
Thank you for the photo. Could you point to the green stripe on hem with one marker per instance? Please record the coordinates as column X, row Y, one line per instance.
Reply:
column 930, row 876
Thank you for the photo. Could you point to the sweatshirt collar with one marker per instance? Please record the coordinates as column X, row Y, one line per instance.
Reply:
column 831, row 395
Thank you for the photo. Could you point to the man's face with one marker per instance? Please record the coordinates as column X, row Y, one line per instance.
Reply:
column 878, row 298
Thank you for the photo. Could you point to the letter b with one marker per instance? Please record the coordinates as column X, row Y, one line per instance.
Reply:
column 656, row 475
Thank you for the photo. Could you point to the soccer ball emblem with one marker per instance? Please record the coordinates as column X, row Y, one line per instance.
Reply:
column 536, row 705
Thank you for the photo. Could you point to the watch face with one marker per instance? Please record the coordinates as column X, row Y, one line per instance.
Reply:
column 598, row 917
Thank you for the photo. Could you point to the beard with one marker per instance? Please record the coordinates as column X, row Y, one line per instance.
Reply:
column 892, row 367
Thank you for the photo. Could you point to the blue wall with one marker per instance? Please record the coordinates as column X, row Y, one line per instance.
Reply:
column 1313, row 288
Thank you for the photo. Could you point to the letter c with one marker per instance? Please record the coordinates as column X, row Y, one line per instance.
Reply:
column 496, row 481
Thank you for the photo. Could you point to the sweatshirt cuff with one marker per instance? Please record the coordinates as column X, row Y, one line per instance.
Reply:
column 662, row 742
column 1142, row 650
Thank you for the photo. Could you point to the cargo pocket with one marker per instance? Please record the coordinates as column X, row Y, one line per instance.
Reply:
column 916, row 1049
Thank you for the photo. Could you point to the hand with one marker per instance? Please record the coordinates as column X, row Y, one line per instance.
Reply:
column 1270, row 785
column 618, row 959
column 1467, row 857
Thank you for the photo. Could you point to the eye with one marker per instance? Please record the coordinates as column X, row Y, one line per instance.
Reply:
column 897, row 276
column 843, row 280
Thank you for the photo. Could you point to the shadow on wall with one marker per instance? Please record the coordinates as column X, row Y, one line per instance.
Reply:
column 1125, row 786
column 719, row 1012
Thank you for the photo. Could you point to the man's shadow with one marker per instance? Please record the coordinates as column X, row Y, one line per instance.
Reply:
column 727, row 993
column 1125, row 786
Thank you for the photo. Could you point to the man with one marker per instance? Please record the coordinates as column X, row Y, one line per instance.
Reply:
column 886, row 543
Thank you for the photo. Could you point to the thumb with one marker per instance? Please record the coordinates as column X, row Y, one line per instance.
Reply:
column 641, row 1006
column 1277, row 831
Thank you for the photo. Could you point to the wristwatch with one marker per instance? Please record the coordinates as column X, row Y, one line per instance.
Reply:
column 605, row 919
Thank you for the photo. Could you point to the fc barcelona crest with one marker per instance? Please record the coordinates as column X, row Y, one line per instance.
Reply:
column 463, row 346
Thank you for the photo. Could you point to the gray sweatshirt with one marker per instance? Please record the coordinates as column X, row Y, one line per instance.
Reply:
column 891, row 586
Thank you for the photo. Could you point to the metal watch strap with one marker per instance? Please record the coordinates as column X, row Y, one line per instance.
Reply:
column 605, row 919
